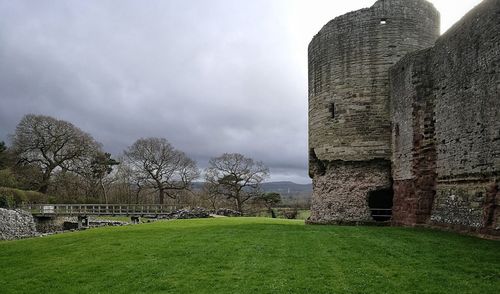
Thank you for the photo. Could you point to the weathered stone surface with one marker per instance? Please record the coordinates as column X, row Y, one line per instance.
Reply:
column 340, row 195
column 414, row 149
column 349, row 61
column 460, row 204
column 349, row 119
column 15, row 224
column 446, row 127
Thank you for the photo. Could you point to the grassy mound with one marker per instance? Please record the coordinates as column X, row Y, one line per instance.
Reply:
column 250, row 255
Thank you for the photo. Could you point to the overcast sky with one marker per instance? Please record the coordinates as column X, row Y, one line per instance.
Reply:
column 211, row 76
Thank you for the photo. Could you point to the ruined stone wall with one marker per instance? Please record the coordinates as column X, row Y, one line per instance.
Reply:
column 446, row 127
column 51, row 224
column 15, row 224
column 349, row 120
column 341, row 194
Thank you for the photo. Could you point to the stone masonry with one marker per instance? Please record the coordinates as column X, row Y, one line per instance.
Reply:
column 15, row 224
column 392, row 106
column 349, row 119
column 446, row 127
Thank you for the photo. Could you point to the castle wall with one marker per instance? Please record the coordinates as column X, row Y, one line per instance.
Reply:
column 341, row 193
column 349, row 61
column 446, row 127
column 349, row 112
column 414, row 148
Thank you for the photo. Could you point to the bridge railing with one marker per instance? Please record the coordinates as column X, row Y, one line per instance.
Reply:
column 381, row 214
column 100, row 209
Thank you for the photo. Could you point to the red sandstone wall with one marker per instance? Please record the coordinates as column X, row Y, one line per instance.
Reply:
column 448, row 98
column 414, row 146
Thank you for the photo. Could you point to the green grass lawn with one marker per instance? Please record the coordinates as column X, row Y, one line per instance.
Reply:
column 303, row 214
column 250, row 255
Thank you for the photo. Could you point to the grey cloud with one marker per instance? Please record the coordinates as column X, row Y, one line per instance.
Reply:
column 210, row 76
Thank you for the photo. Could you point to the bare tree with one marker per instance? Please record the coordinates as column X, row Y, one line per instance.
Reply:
column 269, row 200
column 162, row 167
column 236, row 177
column 51, row 144
column 129, row 185
column 210, row 194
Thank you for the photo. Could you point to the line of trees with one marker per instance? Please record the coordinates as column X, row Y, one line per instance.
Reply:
column 56, row 158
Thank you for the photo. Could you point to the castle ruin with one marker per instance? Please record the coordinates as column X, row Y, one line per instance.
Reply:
column 404, row 120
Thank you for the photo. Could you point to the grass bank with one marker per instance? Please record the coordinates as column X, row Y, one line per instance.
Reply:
column 250, row 255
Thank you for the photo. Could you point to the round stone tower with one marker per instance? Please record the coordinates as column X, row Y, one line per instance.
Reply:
column 349, row 120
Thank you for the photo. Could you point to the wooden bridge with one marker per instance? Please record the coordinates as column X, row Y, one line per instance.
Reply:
column 100, row 209
column 83, row 211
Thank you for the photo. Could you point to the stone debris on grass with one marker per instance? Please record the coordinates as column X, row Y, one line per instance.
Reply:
column 199, row 212
column 226, row 212
column 196, row 212
column 105, row 222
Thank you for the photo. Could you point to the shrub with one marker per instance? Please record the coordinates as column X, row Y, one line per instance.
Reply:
column 6, row 201
column 34, row 197
column 290, row 213
column 10, row 197
column 19, row 197
column 7, row 178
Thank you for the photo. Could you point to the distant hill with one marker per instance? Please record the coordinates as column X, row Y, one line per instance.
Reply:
column 284, row 187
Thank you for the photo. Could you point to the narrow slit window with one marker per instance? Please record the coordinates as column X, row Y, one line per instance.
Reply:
column 332, row 110
column 383, row 21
